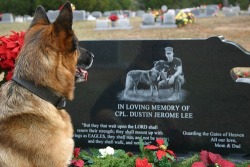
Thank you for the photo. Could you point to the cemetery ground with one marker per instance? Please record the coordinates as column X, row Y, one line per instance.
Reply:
column 235, row 28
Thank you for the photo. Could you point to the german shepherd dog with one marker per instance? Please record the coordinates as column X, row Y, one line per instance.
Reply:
column 34, row 130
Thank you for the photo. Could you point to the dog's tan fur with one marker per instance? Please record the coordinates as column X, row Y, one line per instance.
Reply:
column 33, row 132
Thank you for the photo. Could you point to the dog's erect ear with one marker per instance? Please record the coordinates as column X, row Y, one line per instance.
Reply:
column 65, row 18
column 40, row 17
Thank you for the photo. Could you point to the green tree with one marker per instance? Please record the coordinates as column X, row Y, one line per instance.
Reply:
column 50, row 4
column 84, row 4
column 156, row 4
column 244, row 4
column 16, row 7
column 113, row 5
column 125, row 4
column 101, row 5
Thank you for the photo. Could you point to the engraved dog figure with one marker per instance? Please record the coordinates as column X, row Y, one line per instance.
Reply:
column 149, row 77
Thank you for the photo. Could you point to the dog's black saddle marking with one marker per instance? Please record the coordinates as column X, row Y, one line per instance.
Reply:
column 42, row 92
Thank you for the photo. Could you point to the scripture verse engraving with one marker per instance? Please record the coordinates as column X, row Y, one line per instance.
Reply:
column 118, row 134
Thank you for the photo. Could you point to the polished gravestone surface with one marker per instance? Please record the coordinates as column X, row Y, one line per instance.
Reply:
column 212, row 111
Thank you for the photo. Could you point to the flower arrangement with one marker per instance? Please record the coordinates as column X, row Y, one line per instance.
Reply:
column 150, row 156
column 113, row 17
column 242, row 74
column 10, row 47
column 105, row 157
column 184, row 18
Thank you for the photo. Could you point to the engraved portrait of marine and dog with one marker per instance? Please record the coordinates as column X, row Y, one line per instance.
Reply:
column 164, row 81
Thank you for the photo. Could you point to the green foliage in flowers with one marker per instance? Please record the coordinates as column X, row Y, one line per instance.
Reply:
column 145, row 152
column 88, row 160
column 118, row 159
column 246, row 164
column 187, row 162
column 165, row 162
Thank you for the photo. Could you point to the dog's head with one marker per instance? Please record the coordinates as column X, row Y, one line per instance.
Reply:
column 51, row 56
column 161, row 65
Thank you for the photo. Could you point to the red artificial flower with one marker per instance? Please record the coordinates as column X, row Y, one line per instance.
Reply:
column 199, row 164
column 113, row 17
column 161, row 149
column 9, row 50
column 246, row 74
column 9, row 75
column 209, row 158
column 77, row 162
column 225, row 163
column 142, row 163
column 76, row 152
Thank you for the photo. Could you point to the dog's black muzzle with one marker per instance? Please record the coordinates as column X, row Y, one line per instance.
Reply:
column 84, row 62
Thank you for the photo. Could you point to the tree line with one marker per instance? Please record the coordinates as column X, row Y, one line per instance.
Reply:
column 24, row 7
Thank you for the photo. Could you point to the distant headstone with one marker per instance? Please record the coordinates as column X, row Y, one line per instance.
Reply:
column 213, row 6
column 148, row 19
column 7, row 18
column 203, row 11
column 115, row 12
column 169, row 18
column 19, row 19
column 140, row 13
column 196, row 12
column 106, row 13
column 27, row 18
column 133, row 14
column 79, row 15
column 102, row 24
column 123, row 23
column 211, row 12
column 96, row 14
column 91, row 18
column 209, row 112
column 236, row 9
column 53, row 14
column 227, row 11
column 208, row 11
column 127, row 13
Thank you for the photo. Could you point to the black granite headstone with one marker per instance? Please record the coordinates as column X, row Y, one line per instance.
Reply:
column 204, row 108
